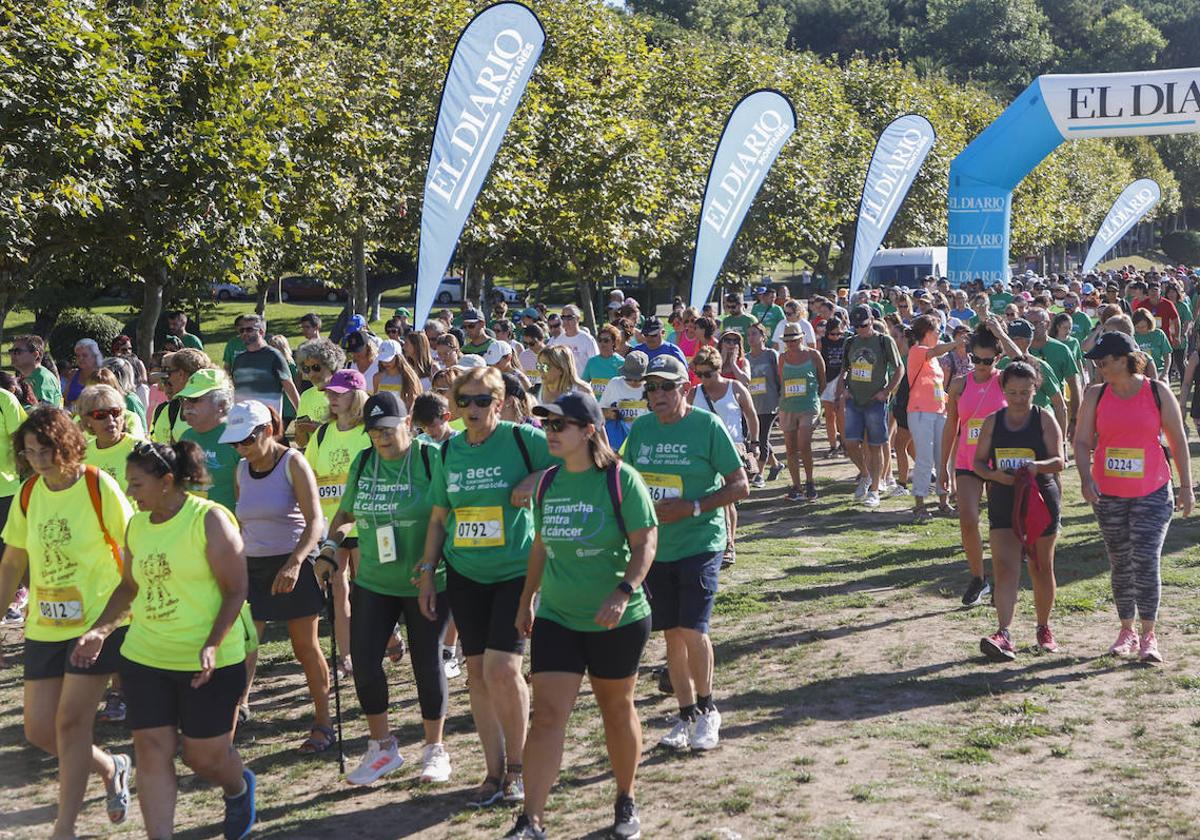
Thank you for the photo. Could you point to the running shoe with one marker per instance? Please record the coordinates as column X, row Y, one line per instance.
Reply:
column 243, row 713
column 872, row 499
column 117, row 801
column 680, row 736
column 15, row 614
column 810, row 491
column 626, row 825
column 706, row 730
column 1149, row 649
column 513, row 790
column 487, row 794
column 973, row 597
column 525, row 830
column 795, row 495
column 998, row 647
column 239, row 811
column 451, row 665
column 897, row 490
column 114, row 708
column 986, row 594
column 1126, row 643
column 775, row 471
column 758, row 481
column 435, row 764
column 664, row 681
column 1045, row 639
column 862, row 488
column 377, row 763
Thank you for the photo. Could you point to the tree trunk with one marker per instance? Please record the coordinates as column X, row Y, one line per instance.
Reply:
column 5, row 308
column 375, row 298
column 260, row 299
column 152, row 300
column 587, row 294
column 358, row 246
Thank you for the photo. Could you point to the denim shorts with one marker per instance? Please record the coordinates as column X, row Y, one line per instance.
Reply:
column 872, row 420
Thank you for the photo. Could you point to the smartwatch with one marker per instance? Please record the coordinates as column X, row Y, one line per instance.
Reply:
column 625, row 587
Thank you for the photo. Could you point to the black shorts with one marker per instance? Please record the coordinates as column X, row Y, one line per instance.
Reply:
column 350, row 543
column 5, row 504
column 485, row 613
column 50, row 660
column 682, row 593
column 158, row 697
column 900, row 412
column 606, row 654
column 1000, row 504
column 969, row 473
column 306, row 598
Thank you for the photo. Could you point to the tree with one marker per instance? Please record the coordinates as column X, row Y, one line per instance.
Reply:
column 763, row 22
column 1119, row 41
column 843, row 27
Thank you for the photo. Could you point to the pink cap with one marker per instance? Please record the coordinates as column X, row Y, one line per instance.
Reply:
column 345, row 380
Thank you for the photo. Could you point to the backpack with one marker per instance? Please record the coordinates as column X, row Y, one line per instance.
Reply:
column 370, row 453
column 516, row 430
column 91, row 475
column 613, row 479
column 174, row 408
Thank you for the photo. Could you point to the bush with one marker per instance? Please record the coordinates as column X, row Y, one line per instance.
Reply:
column 1183, row 247
column 74, row 324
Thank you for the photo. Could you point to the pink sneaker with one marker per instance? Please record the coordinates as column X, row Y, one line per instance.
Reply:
column 1149, row 649
column 1045, row 639
column 1126, row 643
column 998, row 647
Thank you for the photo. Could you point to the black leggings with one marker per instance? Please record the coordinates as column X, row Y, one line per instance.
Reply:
column 372, row 619
column 765, row 423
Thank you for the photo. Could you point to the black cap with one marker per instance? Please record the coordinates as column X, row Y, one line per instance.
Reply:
column 651, row 326
column 512, row 385
column 471, row 315
column 860, row 316
column 1112, row 344
column 1020, row 328
column 574, row 406
column 384, row 410
column 354, row 342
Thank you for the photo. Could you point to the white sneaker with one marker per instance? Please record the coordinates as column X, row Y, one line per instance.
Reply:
column 452, row 668
column 860, row 491
column 872, row 499
column 706, row 731
column 897, row 490
column 435, row 764
column 376, row 763
column 680, row 736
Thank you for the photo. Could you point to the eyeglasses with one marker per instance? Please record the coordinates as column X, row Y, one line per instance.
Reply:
column 248, row 441
column 247, row 330
column 312, row 368
column 101, row 413
column 570, row 318
column 981, row 360
column 731, row 340
column 17, row 351
column 558, row 424
column 480, row 400
column 173, row 370
column 651, row 387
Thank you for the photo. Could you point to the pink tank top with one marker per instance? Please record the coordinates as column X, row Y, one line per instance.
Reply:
column 1129, row 461
column 976, row 403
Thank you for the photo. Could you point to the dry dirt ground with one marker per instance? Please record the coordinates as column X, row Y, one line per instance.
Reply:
column 854, row 697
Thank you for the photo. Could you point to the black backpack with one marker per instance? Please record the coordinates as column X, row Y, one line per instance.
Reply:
column 516, row 430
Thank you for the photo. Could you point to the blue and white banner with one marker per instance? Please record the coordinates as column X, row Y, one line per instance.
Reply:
column 489, row 69
column 1134, row 202
column 754, row 133
column 899, row 153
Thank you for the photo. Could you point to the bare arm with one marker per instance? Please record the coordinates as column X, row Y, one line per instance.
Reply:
column 643, row 543
column 534, row 570
column 1052, row 438
column 289, row 388
column 1085, row 442
column 982, row 450
column 1172, row 426
column 746, row 403
column 435, row 539
column 227, row 561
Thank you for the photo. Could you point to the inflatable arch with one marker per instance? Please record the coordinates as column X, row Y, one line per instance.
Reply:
column 1050, row 111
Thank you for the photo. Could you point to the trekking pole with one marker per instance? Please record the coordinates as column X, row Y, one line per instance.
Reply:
column 337, row 684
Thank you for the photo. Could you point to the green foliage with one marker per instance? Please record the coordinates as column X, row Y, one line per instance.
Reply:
column 1182, row 246
column 74, row 324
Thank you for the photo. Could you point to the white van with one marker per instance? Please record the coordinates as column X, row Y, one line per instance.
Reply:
column 905, row 266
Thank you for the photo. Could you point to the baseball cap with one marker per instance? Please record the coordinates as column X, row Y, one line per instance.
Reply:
column 860, row 316
column 1087, row 288
column 345, row 380
column 652, row 326
column 403, row 312
column 471, row 360
column 384, row 410
column 513, row 386
column 356, row 323
column 354, row 341
column 615, row 304
column 1020, row 328
column 761, row 290
column 667, row 367
column 203, row 382
column 574, row 406
column 243, row 419
column 389, row 350
column 471, row 316
column 635, row 365
column 531, row 312
column 1112, row 344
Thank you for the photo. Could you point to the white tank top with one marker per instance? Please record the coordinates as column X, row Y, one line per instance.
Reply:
column 726, row 407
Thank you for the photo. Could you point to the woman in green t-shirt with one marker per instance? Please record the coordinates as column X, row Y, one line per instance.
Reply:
column 388, row 499
column 1152, row 341
column 595, row 538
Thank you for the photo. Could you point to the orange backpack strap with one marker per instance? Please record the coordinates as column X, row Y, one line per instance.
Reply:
column 92, row 476
column 27, row 493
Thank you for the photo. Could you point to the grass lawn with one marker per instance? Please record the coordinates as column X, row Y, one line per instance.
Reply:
column 855, row 704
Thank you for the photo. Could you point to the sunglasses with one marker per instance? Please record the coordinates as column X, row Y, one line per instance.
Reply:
column 651, row 387
column 558, row 424
column 16, row 351
column 981, row 360
column 248, row 441
column 143, row 449
column 480, row 400
column 706, row 374
column 569, row 318
column 101, row 413
column 312, row 368
column 542, row 367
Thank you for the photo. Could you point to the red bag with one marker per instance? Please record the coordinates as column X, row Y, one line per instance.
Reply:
column 1031, row 516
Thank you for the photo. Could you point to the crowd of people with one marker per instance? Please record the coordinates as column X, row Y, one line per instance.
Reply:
column 485, row 484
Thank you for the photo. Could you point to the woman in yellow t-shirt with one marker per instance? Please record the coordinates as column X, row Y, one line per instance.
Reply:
column 102, row 413
column 61, row 527
column 183, row 659
column 330, row 451
column 318, row 360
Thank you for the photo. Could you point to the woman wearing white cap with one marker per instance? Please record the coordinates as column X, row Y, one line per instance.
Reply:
column 395, row 374
column 281, row 521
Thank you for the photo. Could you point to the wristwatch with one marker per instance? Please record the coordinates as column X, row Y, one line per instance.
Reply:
column 625, row 587
column 696, row 508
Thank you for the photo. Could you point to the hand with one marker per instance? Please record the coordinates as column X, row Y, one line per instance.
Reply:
column 427, row 599
column 524, row 619
column 325, row 566
column 523, row 492
column 672, row 510
column 87, row 649
column 285, row 579
column 1087, row 487
column 208, row 664
column 881, row 395
column 1186, row 501
column 610, row 612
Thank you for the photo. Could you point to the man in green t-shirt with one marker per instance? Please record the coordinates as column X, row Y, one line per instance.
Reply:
column 177, row 323
column 693, row 472
column 736, row 318
column 1016, row 346
column 26, row 355
column 1061, row 361
column 871, row 371
column 999, row 298
column 766, row 310
column 1081, row 322
column 235, row 345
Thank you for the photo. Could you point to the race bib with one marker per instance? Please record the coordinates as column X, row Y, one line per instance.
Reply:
column 758, row 387
column 479, row 527
column 974, row 428
column 1012, row 459
column 795, row 387
column 331, row 489
column 663, row 486
column 598, row 386
column 939, row 391
column 860, row 371
column 631, row 409
column 60, row 606
column 1124, row 463
column 385, row 541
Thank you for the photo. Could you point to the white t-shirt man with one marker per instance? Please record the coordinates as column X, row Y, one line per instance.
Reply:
column 582, row 345
column 629, row 401
column 810, row 335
